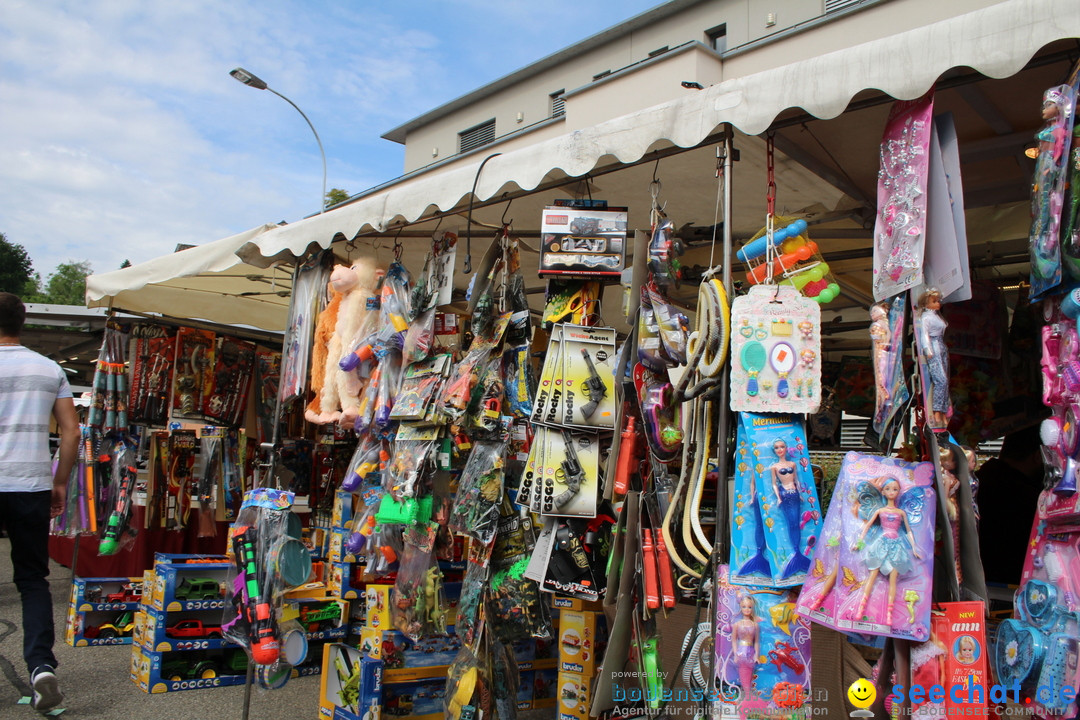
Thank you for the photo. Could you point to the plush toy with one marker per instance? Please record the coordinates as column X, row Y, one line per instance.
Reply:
column 324, row 331
column 339, row 397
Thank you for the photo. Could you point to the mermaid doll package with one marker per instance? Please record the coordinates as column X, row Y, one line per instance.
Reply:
column 762, row 648
column 873, row 573
column 777, row 516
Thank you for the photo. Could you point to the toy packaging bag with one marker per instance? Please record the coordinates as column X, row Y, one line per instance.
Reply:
column 775, row 351
column 954, row 656
column 762, row 649
column 777, row 515
column 1040, row 646
column 872, row 573
column 900, row 230
column 1048, row 188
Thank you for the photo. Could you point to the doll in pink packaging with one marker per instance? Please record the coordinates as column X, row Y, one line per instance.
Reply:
column 872, row 574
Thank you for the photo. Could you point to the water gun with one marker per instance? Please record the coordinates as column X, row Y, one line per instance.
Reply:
column 628, row 456
column 119, row 520
column 255, row 608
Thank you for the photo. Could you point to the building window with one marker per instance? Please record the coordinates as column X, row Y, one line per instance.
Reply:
column 476, row 136
column 558, row 103
column 717, row 38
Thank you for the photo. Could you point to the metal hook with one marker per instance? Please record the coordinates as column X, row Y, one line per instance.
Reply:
column 397, row 244
column 468, row 227
column 506, row 223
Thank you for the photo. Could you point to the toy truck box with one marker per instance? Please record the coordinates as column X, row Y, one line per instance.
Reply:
column 416, row 700
column 161, row 672
column 187, row 587
column 322, row 619
column 340, row 581
column 184, row 630
column 575, row 696
column 402, row 657
column 582, row 638
column 122, row 593
column 99, row 627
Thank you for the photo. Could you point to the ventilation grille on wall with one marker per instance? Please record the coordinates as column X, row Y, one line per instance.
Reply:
column 476, row 136
column 558, row 104
column 832, row 6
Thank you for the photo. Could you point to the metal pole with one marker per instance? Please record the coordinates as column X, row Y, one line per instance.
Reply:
column 322, row 200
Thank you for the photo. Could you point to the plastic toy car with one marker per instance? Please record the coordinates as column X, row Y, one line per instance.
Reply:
column 185, row 670
column 320, row 617
column 198, row 589
column 131, row 592
column 193, row 629
column 121, row 627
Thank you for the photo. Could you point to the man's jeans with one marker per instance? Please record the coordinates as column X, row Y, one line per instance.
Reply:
column 25, row 516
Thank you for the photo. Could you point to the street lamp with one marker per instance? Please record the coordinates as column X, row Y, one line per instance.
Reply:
column 250, row 80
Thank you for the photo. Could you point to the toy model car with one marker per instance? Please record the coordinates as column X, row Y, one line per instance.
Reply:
column 198, row 589
column 131, row 592
column 320, row 617
column 185, row 670
column 121, row 627
column 193, row 629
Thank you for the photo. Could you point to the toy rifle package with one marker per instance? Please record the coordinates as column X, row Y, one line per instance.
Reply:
column 258, row 538
column 118, row 532
column 151, row 374
column 267, row 378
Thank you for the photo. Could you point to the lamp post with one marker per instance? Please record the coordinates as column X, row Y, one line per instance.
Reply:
column 250, row 80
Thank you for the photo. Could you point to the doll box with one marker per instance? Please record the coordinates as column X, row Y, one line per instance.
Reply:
column 879, row 527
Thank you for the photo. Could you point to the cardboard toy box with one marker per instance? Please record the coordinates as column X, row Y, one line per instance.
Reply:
column 157, row 672
column 196, row 583
column 340, row 582
column 337, row 553
column 582, row 638
column 416, row 700
column 404, row 660
column 351, row 685
column 186, row 630
column 575, row 696
column 122, row 593
column 321, row 618
column 343, row 508
column 100, row 627
column 377, row 600
column 545, row 688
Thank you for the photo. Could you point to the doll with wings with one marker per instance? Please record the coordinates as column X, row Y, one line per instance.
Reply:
column 886, row 543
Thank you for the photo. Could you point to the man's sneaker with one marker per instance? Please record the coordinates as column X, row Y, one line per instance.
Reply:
column 46, row 689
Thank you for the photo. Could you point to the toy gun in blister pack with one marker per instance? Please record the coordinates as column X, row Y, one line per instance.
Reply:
column 254, row 607
column 120, row 519
column 570, row 473
column 593, row 385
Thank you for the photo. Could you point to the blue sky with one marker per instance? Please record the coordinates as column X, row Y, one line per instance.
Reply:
column 122, row 133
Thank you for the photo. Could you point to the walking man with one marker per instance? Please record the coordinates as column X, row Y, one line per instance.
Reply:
column 32, row 388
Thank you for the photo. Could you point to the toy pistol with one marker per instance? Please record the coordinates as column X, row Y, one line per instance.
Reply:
column 593, row 385
column 569, row 473
column 121, row 515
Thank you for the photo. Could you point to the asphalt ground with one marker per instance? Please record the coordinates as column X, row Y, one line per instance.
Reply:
column 96, row 683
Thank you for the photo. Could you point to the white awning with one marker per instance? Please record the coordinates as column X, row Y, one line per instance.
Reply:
column 208, row 282
column 997, row 41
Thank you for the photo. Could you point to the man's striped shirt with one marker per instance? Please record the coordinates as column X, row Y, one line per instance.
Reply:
column 29, row 387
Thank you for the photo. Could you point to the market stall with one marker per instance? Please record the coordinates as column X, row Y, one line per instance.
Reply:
column 603, row 409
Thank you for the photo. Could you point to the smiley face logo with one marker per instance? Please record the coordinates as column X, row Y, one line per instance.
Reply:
column 862, row 693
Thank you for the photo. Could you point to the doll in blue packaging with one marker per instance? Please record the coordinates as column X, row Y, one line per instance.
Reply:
column 777, row 516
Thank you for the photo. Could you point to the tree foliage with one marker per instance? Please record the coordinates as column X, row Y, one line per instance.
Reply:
column 16, row 269
column 67, row 286
column 335, row 196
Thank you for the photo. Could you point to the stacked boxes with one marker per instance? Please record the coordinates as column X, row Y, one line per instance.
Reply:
column 178, row 635
column 582, row 639
column 102, row 611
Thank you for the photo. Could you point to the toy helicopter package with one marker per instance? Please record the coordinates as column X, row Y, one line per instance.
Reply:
column 777, row 517
column 762, row 649
column 873, row 572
